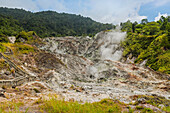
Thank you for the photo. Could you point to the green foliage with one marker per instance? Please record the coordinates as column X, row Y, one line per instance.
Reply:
column 168, row 29
column 127, row 26
column 2, row 48
column 150, row 41
column 157, row 54
column 167, row 109
column 144, row 21
column 147, row 110
column 23, row 48
column 139, row 28
column 28, row 37
column 151, row 28
column 8, row 26
column 3, row 38
column 50, row 23
column 155, row 101
column 24, row 36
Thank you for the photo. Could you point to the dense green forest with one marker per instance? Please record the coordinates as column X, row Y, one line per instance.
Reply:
column 149, row 41
column 48, row 23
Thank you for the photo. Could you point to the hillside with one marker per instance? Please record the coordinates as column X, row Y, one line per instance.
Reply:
column 51, row 23
column 61, row 74
column 148, row 43
column 9, row 26
column 118, row 70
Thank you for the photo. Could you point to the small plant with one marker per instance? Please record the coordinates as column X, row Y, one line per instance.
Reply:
column 139, row 107
column 4, row 87
column 10, row 107
column 167, row 109
column 147, row 110
column 36, row 90
column 131, row 110
column 39, row 101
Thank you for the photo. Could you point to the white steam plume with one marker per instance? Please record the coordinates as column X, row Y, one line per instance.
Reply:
column 110, row 50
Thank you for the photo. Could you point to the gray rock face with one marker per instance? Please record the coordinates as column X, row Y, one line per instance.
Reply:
column 91, row 70
column 105, row 45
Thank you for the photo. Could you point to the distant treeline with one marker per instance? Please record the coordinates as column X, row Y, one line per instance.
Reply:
column 48, row 23
column 149, row 41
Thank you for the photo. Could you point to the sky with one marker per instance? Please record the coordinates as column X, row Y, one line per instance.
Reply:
column 105, row 11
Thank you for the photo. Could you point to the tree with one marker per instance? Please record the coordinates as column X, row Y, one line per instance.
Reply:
column 133, row 26
column 51, row 23
column 151, row 28
column 168, row 30
column 127, row 26
column 144, row 21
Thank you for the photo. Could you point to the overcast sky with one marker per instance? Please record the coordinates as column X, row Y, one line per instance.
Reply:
column 106, row 11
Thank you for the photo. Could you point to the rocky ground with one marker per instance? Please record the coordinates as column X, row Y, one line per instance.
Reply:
column 78, row 69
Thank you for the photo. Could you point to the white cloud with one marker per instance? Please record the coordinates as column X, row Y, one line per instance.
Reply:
column 51, row 4
column 159, row 16
column 114, row 11
column 34, row 5
column 106, row 11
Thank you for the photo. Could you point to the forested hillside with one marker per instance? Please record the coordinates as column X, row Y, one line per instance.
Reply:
column 149, row 41
column 48, row 23
column 9, row 26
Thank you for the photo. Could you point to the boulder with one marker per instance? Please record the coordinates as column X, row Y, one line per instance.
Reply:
column 12, row 39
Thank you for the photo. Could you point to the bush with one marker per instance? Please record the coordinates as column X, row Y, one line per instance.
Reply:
column 24, row 48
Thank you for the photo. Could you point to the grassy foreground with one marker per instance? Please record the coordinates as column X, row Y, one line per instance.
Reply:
column 54, row 105
column 60, row 106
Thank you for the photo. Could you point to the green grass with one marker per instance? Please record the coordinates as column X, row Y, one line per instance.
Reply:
column 167, row 109
column 18, row 48
column 24, row 48
column 60, row 106
column 155, row 101
column 54, row 105
column 10, row 107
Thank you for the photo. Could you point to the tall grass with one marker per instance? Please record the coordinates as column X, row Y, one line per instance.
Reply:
column 60, row 106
